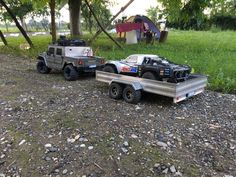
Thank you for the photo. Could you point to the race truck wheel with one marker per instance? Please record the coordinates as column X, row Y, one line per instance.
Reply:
column 131, row 96
column 149, row 75
column 42, row 68
column 115, row 91
column 70, row 73
column 109, row 69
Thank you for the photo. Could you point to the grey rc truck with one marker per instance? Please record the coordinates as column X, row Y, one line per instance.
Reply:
column 70, row 56
column 150, row 67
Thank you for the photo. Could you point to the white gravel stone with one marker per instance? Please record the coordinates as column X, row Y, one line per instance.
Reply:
column 22, row 142
column 82, row 145
column 172, row 169
column 64, row 171
column 70, row 140
column 162, row 144
column 126, row 144
column 165, row 171
column 134, row 136
column 48, row 145
column 90, row 147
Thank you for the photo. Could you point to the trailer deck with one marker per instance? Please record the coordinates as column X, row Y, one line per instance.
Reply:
column 178, row 91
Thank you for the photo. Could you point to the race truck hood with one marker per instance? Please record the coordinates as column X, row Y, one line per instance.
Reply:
column 174, row 66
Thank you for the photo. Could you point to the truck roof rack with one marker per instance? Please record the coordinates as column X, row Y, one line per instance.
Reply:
column 63, row 41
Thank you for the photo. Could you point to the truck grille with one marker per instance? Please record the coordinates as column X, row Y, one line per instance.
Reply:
column 181, row 74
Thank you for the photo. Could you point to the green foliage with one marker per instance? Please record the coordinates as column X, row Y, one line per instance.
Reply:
column 224, row 22
column 100, row 8
column 191, row 14
column 152, row 13
column 18, row 8
column 209, row 53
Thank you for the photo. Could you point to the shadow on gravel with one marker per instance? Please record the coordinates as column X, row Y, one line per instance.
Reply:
column 149, row 98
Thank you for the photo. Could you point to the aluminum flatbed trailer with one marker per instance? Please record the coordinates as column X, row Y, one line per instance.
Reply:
column 130, row 88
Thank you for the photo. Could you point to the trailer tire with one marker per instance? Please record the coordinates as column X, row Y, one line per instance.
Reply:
column 115, row 91
column 149, row 75
column 131, row 95
column 70, row 73
column 42, row 67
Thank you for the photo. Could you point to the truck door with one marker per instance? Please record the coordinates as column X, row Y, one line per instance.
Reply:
column 58, row 58
column 50, row 57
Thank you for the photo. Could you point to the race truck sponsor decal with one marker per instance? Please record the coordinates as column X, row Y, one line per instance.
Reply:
column 128, row 69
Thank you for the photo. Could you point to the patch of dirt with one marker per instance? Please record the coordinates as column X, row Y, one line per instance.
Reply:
column 52, row 127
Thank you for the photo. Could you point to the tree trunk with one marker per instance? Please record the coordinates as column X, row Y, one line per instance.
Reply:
column 22, row 21
column 75, row 16
column 3, row 38
column 52, row 5
column 6, row 24
column 111, row 20
column 99, row 24
column 17, row 23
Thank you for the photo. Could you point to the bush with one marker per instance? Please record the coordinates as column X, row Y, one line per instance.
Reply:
column 224, row 22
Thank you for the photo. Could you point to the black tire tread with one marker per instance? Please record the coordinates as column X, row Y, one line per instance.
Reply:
column 120, row 91
column 45, row 69
column 137, row 95
column 110, row 69
column 73, row 73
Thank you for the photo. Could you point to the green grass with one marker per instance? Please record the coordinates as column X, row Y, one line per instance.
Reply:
column 211, row 53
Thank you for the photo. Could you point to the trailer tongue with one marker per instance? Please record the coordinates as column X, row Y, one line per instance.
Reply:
column 130, row 88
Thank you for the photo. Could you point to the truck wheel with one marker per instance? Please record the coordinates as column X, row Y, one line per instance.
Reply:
column 149, row 75
column 109, row 69
column 42, row 68
column 70, row 73
column 131, row 96
column 115, row 91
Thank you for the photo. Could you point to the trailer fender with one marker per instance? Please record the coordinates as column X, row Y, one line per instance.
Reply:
column 135, row 85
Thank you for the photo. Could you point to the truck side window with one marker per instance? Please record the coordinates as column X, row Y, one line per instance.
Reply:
column 146, row 60
column 51, row 51
column 132, row 59
column 59, row 51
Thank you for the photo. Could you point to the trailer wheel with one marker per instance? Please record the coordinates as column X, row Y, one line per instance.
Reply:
column 131, row 96
column 115, row 91
column 70, row 73
column 149, row 75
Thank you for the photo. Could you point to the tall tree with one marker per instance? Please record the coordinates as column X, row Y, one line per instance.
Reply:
column 75, row 17
column 52, row 5
column 16, row 22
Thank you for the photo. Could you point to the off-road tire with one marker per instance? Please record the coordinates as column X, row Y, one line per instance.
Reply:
column 131, row 96
column 109, row 69
column 149, row 75
column 42, row 67
column 70, row 73
column 115, row 91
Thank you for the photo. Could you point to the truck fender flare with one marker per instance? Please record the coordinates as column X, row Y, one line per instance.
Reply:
column 65, row 64
column 112, row 65
column 42, row 58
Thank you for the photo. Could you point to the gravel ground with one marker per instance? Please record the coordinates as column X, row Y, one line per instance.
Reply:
column 52, row 127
